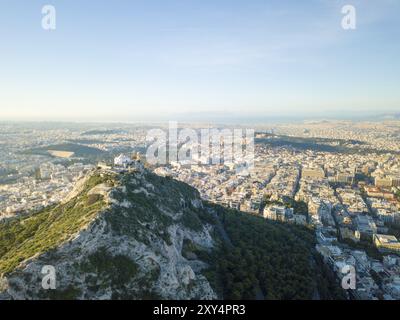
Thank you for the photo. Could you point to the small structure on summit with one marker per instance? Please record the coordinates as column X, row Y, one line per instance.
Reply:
column 122, row 161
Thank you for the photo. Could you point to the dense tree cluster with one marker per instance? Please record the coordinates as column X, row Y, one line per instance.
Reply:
column 265, row 260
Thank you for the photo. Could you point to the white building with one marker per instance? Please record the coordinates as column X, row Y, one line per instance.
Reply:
column 122, row 161
column 279, row 213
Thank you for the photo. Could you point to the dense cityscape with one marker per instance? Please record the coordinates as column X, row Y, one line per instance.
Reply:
column 200, row 158
column 339, row 178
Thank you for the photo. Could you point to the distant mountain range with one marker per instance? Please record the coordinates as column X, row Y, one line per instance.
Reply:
column 223, row 118
column 393, row 116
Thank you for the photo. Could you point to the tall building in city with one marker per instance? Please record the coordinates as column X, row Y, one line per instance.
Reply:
column 386, row 242
column 313, row 173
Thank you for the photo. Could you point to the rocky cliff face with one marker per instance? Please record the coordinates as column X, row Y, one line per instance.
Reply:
column 118, row 236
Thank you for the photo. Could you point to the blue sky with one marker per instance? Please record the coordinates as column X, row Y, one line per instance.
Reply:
column 134, row 60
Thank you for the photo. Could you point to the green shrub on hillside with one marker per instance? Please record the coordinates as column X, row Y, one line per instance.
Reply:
column 25, row 237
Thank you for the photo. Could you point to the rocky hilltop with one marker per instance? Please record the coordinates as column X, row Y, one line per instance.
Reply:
column 136, row 235
column 117, row 236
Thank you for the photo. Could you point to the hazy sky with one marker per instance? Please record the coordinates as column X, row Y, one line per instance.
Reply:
column 127, row 60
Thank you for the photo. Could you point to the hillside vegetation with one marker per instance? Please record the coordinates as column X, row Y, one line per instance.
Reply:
column 25, row 237
column 152, row 237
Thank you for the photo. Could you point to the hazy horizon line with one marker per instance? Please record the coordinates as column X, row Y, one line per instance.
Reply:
column 212, row 117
